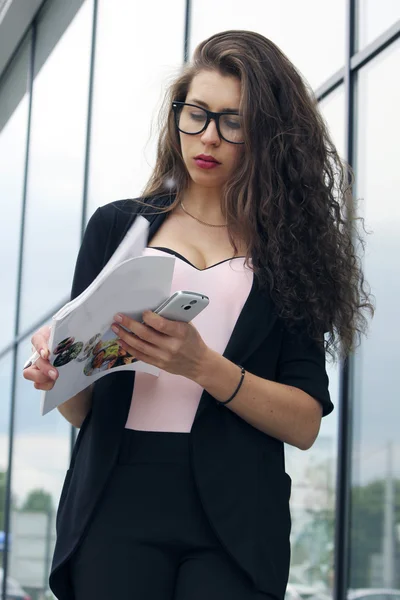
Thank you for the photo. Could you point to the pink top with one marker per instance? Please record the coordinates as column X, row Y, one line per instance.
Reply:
column 169, row 402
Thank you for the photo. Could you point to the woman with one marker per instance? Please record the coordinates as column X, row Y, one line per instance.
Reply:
column 177, row 487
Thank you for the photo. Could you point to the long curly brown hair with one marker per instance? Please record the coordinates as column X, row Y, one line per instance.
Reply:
column 290, row 198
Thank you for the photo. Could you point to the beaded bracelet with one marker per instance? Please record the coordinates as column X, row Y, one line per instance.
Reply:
column 243, row 372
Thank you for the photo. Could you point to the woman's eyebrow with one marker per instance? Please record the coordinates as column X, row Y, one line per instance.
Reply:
column 202, row 103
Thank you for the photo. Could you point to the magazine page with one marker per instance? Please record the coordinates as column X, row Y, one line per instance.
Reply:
column 131, row 246
column 83, row 346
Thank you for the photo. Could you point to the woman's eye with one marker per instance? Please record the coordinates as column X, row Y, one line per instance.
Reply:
column 197, row 116
column 233, row 124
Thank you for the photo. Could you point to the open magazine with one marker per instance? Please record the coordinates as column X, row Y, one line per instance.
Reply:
column 82, row 344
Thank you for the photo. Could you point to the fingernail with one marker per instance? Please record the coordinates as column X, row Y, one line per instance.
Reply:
column 43, row 353
column 52, row 374
column 115, row 329
column 118, row 318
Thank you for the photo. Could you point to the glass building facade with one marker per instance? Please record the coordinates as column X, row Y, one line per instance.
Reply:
column 79, row 96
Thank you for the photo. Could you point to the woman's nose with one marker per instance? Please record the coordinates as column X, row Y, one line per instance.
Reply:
column 210, row 135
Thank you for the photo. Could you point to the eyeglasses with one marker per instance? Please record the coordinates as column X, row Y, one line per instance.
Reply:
column 192, row 119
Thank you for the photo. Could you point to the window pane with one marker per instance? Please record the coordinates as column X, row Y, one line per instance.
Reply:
column 333, row 110
column 375, row 533
column 41, row 453
column 313, row 503
column 5, row 405
column 56, row 162
column 374, row 17
column 314, row 472
column 13, row 134
column 131, row 74
column 298, row 28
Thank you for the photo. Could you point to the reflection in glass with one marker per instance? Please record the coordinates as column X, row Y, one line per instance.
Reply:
column 333, row 111
column 314, row 472
column 316, row 47
column 13, row 135
column 373, row 18
column 56, row 163
column 5, row 406
column 40, row 458
column 375, row 532
column 131, row 75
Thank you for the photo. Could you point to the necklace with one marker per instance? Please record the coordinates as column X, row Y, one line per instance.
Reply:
column 196, row 219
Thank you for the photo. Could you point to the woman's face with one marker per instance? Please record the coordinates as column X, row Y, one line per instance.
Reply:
column 218, row 93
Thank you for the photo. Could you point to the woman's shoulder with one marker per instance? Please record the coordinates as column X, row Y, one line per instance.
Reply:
column 120, row 213
column 123, row 209
column 110, row 223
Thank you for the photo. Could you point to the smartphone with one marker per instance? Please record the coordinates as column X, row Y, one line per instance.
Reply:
column 183, row 306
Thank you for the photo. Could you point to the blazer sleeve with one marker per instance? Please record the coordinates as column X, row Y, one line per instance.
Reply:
column 301, row 364
column 91, row 256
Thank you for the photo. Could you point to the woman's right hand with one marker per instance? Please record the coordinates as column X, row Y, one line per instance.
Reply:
column 42, row 373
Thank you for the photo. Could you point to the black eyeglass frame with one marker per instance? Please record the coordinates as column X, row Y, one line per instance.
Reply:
column 210, row 115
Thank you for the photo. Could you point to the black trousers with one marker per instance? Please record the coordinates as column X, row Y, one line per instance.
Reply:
column 149, row 538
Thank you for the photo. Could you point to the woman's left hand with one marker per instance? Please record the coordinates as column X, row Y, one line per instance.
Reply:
column 174, row 346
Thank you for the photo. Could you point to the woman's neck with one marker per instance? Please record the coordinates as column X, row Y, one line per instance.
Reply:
column 204, row 203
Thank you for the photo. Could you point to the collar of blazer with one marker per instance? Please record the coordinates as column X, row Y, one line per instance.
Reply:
column 255, row 320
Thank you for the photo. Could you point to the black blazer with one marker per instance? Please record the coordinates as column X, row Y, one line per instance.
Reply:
column 239, row 471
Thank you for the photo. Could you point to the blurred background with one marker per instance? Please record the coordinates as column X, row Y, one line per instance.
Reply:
column 81, row 82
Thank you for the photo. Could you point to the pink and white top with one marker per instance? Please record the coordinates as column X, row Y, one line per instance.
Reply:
column 169, row 402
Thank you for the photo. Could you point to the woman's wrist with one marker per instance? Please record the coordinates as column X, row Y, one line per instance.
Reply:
column 209, row 367
column 218, row 375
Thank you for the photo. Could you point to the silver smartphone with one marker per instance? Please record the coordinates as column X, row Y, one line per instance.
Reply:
column 183, row 306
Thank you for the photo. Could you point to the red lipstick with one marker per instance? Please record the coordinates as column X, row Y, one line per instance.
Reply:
column 206, row 161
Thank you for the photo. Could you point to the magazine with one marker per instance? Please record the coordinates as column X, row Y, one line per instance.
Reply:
column 82, row 345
